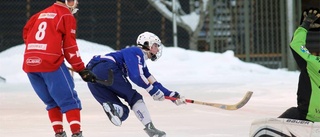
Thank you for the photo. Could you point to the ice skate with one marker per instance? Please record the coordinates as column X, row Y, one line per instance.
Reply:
column 61, row 134
column 153, row 132
column 77, row 134
column 112, row 113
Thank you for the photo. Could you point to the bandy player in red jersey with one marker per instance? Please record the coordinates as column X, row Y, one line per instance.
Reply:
column 50, row 38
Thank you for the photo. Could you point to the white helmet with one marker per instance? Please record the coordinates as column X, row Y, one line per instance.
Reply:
column 146, row 40
column 73, row 8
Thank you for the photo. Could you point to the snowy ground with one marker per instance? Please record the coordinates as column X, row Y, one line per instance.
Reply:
column 203, row 76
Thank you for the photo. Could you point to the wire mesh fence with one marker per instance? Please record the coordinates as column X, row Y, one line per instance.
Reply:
column 254, row 29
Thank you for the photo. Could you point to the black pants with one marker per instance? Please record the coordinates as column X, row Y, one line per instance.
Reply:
column 293, row 113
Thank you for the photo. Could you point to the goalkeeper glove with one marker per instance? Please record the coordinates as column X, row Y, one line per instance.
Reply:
column 309, row 18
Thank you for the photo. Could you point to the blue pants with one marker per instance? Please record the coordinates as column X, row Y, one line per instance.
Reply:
column 121, row 87
column 56, row 89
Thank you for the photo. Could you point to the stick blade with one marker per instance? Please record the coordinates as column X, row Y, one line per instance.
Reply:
column 245, row 100
column 236, row 106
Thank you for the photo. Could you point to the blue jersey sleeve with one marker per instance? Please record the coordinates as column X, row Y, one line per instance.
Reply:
column 146, row 72
column 137, row 69
column 165, row 91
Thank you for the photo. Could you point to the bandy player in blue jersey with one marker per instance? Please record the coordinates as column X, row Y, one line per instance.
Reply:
column 130, row 63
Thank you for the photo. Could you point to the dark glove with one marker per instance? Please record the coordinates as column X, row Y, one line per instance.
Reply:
column 309, row 18
column 179, row 99
column 87, row 76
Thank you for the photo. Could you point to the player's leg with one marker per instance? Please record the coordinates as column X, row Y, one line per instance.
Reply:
column 112, row 105
column 292, row 113
column 122, row 88
column 54, row 113
column 142, row 113
column 61, row 87
column 108, row 96
column 138, row 106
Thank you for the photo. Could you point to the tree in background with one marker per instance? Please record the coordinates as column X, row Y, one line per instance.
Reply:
column 192, row 22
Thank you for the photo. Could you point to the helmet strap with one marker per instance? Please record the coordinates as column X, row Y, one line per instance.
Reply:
column 153, row 57
column 145, row 46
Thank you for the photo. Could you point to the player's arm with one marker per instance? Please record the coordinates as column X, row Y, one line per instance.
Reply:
column 299, row 38
column 135, row 70
column 154, row 82
column 135, row 63
column 70, row 47
column 298, row 43
column 180, row 100
column 28, row 26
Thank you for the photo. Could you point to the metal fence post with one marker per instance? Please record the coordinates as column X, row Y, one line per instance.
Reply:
column 284, row 42
column 247, row 30
column 28, row 9
column 174, row 23
column 290, row 25
column 211, row 25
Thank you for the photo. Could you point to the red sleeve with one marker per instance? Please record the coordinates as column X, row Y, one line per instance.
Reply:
column 28, row 26
column 70, row 47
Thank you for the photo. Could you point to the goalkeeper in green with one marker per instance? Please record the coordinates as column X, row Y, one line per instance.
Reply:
column 308, row 99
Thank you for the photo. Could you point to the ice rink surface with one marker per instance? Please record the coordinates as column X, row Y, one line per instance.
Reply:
column 203, row 76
